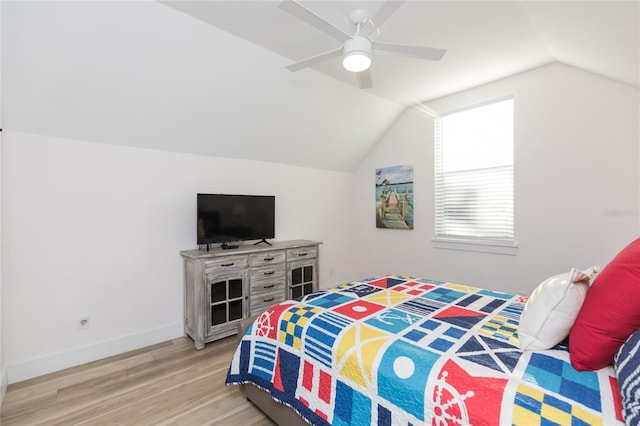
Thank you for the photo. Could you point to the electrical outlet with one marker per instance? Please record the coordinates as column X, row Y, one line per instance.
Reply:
column 83, row 322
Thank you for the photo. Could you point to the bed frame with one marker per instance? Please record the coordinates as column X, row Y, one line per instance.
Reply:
column 279, row 413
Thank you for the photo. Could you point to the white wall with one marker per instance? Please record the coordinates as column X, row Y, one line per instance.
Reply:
column 95, row 229
column 576, row 183
column 3, row 371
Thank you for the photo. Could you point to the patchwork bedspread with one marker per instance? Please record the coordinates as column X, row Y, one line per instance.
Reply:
column 405, row 351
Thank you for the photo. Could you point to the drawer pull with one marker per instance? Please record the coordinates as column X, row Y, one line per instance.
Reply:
column 268, row 259
column 269, row 286
column 269, row 299
column 270, row 272
column 302, row 254
column 227, row 264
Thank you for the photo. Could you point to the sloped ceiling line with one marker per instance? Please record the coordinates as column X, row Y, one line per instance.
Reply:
column 209, row 77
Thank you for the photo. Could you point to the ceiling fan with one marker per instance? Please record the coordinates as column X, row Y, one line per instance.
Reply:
column 357, row 48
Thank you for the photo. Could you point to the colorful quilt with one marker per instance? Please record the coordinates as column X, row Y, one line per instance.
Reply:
column 397, row 350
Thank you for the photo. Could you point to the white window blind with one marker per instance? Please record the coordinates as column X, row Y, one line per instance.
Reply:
column 474, row 175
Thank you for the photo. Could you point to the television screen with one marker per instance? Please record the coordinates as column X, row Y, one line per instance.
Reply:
column 224, row 218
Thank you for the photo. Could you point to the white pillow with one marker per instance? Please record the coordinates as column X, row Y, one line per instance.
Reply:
column 552, row 309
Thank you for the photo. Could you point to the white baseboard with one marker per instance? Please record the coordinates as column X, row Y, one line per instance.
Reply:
column 59, row 361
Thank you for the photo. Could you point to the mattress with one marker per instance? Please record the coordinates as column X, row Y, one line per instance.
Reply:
column 409, row 351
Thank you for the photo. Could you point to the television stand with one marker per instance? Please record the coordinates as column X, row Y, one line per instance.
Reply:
column 262, row 241
column 222, row 287
column 228, row 246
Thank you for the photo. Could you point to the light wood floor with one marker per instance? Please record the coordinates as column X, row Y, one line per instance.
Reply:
column 166, row 384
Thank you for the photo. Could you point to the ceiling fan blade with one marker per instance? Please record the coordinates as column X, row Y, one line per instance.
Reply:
column 304, row 14
column 364, row 79
column 429, row 53
column 315, row 59
column 371, row 29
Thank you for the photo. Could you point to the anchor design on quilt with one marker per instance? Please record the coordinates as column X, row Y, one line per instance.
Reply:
column 388, row 317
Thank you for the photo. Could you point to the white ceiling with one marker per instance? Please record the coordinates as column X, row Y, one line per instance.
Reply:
column 485, row 40
column 212, row 80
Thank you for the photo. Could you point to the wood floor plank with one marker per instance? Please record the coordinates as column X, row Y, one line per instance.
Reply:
column 168, row 384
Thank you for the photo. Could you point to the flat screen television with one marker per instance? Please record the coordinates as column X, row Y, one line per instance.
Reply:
column 229, row 219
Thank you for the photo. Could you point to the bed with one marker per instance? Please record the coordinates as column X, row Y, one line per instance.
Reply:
column 408, row 351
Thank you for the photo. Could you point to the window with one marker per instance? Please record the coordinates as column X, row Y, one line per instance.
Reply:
column 474, row 175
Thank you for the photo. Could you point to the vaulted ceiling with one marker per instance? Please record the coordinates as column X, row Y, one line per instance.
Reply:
column 485, row 40
column 209, row 77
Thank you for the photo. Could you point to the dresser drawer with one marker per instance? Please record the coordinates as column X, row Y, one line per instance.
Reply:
column 259, row 303
column 216, row 265
column 267, row 286
column 301, row 253
column 269, row 273
column 267, row 278
column 269, row 258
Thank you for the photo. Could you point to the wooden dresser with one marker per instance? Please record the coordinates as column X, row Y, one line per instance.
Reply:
column 222, row 287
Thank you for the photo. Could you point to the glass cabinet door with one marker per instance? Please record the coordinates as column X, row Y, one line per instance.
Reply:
column 301, row 279
column 226, row 299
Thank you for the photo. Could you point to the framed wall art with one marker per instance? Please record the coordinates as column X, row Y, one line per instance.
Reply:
column 394, row 197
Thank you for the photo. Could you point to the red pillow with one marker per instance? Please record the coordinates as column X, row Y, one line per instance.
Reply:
column 610, row 313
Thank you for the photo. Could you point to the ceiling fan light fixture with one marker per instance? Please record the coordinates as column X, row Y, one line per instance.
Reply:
column 357, row 54
column 356, row 62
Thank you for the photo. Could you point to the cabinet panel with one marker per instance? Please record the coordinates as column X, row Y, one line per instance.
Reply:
column 236, row 288
column 223, row 287
column 302, row 278
column 227, row 298
column 218, row 314
column 218, row 291
column 236, row 310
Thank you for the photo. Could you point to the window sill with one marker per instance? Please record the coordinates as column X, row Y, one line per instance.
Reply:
column 476, row 246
